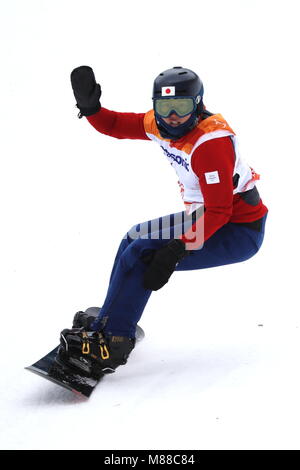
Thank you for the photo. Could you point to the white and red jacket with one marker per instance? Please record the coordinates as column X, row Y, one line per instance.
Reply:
column 206, row 161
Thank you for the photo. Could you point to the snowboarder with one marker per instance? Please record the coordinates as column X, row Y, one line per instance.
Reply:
column 226, row 216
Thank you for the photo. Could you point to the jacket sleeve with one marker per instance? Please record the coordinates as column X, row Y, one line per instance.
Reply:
column 213, row 163
column 119, row 125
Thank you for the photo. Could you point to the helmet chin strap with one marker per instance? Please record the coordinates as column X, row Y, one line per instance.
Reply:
column 175, row 133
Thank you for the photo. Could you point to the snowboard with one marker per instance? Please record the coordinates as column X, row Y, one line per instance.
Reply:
column 67, row 377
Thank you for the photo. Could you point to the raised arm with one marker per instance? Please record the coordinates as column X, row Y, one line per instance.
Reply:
column 87, row 94
column 119, row 125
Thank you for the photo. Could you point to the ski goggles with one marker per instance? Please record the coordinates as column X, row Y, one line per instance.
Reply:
column 181, row 106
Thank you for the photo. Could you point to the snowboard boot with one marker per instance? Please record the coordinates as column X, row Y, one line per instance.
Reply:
column 85, row 319
column 92, row 353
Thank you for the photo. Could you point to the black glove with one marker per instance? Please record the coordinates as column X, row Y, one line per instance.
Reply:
column 86, row 91
column 163, row 264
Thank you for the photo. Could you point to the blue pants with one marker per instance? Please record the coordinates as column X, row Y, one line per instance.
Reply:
column 126, row 297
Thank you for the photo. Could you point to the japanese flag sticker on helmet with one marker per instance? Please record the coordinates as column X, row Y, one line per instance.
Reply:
column 168, row 91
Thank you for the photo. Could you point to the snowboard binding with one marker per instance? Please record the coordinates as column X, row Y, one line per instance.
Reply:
column 90, row 352
column 85, row 319
column 79, row 372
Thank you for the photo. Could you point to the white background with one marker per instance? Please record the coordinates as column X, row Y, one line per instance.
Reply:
column 207, row 375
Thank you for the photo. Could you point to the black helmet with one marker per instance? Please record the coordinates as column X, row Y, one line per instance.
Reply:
column 175, row 83
column 185, row 81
